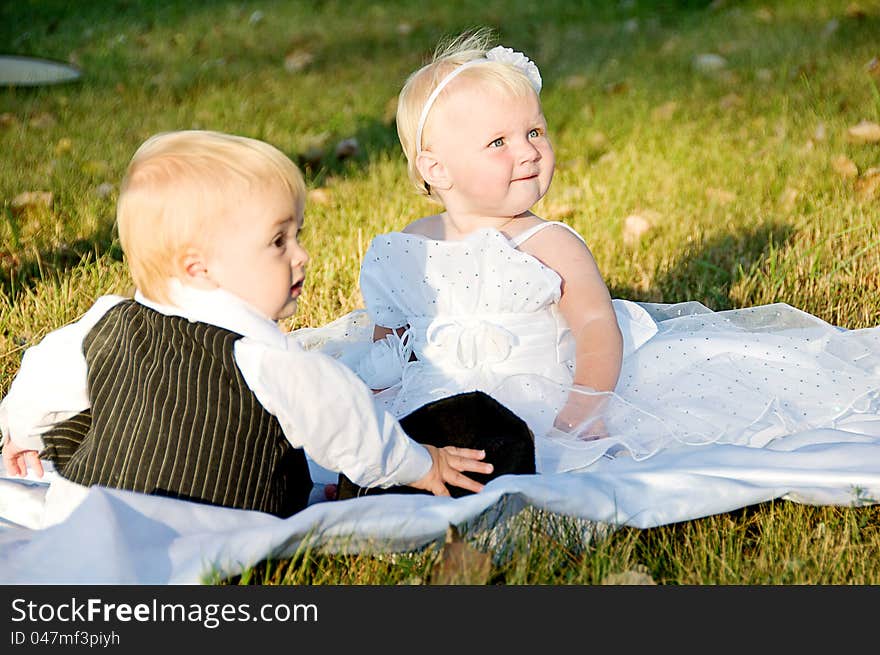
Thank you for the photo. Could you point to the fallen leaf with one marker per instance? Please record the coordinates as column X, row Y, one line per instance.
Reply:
column 788, row 199
column 764, row 15
column 575, row 81
column 347, row 148
column 635, row 225
column 312, row 156
column 314, row 147
column 764, row 75
column 721, row 196
column 709, row 62
column 9, row 260
column 459, row 563
column 320, row 196
column 867, row 187
column 864, row 132
column 639, row 575
column 844, row 166
column 31, row 200
column 64, row 145
column 728, row 47
column 830, row 28
column 854, row 10
column 8, row 120
column 780, row 130
column 104, row 189
column 873, row 68
column 298, row 60
column 670, row 45
column 598, row 141
column 616, row 88
column 42, row 120
column 665, row 111
column 730, row 101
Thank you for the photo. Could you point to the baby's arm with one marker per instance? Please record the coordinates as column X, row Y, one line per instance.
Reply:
column 326, row 410
column 429, row 226
column 380, row 332
column 586, row 305
column 50, row 386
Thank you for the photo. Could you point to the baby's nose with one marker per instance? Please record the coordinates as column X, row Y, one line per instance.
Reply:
column 530, row 152
column 299, row 257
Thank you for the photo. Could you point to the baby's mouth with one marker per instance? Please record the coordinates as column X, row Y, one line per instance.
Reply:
column 297, row 288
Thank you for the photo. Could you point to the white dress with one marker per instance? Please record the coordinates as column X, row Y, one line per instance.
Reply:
column 481, row 314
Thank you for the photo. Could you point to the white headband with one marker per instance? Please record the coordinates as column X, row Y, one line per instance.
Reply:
column 499, row 54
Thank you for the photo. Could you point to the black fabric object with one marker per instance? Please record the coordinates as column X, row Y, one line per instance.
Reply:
column 467, row 420
column 172, row 415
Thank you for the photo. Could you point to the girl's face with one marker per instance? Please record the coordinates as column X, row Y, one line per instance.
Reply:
column 256, row 255
column 494, row 148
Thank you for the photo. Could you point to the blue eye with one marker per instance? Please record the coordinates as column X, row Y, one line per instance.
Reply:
column 497, row 143
column 534, row 133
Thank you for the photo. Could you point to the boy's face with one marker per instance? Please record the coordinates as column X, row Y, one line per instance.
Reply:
column 256, row 255
column 495, row 150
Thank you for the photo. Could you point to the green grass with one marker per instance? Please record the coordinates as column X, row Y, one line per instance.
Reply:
column 734, row 169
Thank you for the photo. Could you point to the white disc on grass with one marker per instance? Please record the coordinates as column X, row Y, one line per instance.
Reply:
column 16, row 70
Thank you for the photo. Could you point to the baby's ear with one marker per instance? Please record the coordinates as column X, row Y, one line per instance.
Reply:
column 432, row 170
column 193, row 269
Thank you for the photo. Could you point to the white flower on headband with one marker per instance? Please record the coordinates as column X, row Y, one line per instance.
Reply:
column 517, row 60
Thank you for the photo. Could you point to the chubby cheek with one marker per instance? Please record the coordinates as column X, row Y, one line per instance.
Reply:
column 549, row 168
column 549, row 158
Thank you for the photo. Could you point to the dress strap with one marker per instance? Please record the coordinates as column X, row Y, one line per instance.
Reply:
column 522, row 237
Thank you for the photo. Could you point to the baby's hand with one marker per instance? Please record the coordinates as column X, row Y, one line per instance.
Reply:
column 15, row 460
column 447, row 464
column 582, row 416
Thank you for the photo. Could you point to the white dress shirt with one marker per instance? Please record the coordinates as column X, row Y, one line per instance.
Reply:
column 321, row 405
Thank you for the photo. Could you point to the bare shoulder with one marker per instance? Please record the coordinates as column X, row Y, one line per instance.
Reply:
column 556, row 241
column 429, row 226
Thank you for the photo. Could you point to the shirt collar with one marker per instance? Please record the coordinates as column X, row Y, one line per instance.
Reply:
column 220, row 308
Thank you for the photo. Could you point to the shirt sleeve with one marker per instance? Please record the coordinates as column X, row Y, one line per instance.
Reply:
column 377, row 286
column 327, row 411
column 51, row 384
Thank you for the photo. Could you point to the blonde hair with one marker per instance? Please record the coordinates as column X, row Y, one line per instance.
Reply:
column 419, row 85
column 179, row 188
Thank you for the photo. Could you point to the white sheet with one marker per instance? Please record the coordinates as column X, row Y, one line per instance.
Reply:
column 120, row 537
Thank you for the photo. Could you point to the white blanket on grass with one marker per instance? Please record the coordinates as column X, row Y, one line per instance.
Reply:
column 120, row 537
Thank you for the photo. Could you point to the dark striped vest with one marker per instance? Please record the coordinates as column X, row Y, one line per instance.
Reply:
column 172, row 415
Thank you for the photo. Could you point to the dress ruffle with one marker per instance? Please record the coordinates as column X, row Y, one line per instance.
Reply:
column 480, row 314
